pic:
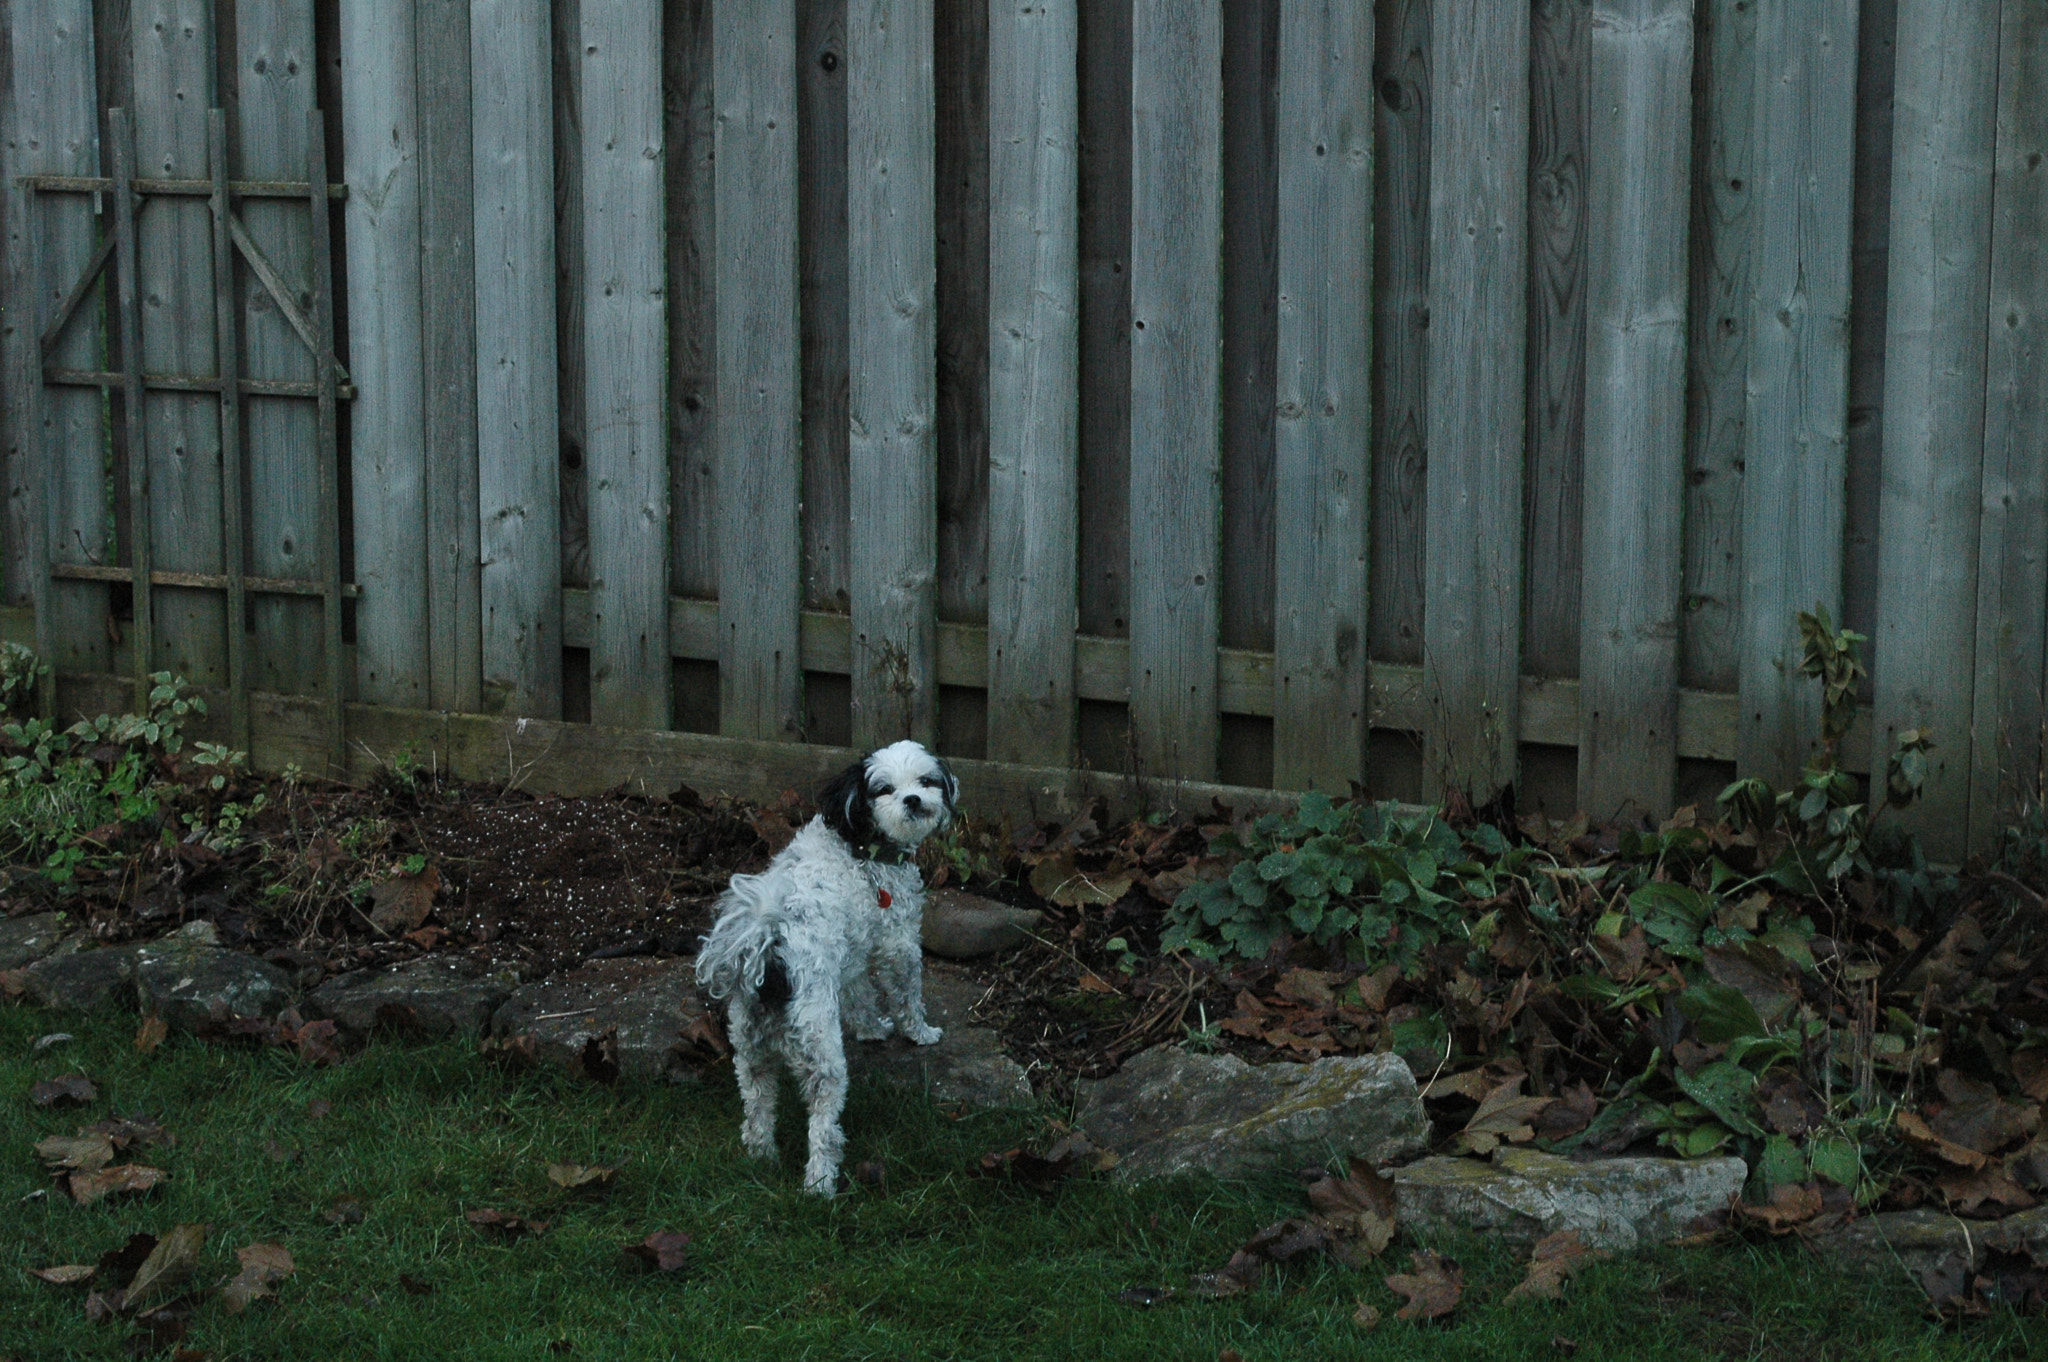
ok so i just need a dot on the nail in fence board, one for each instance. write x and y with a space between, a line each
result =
1638 201
174 87
1479 141
57 133
274 78
1176 245
1034 379
1323 474
625 457
448 357
690 170
1945 107
1400 329
892 276
1796 432
1723 225
2012 585
759 398
513 146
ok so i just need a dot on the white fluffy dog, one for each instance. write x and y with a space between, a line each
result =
830 931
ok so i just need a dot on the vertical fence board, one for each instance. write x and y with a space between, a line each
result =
388 451
1105 422
1945 111
274 79
1717 358
1248 349
822 265
1869 268
174 87
1176 244
961 179
57 133
1400 343
759 397
892 456
1796 440
1478 304
448 356
1638 201
1034 379
18 496
1324 393
2012 574
513 146
1554 487
565 58
689 137
625 458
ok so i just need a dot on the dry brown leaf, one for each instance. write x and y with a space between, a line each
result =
166 1268
125 1180
570 1176
1556 1258
2030 1067
1921 1136
1974 1116
1366 1316
1057 878
346 1210
401 903
1791 1206
1360 1207
1504 1116
70 1274
1432 1285
505 1226
1571 1113
70 1090
87 1153
263 1267
1965 1192
1091 982
1308 986
663 1251
150 1034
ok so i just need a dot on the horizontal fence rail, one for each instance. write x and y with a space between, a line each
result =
1302 394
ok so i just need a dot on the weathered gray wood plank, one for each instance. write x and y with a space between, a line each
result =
1248 340
625 326
1869 270
274 79
1034 379
1105 423
1324 470
822 298
961 197
892 456
518 492
1945 106
759 397
57 133
2012 577
1796 440
1479 142
18 496
1638 201
1723 158
448 355
1554 489
174 87
1400 342
566 61
388 450
1176 288
689 139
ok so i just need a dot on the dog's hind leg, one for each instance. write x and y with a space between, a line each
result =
818 1054
753 1061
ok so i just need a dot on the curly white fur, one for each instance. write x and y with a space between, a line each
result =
809 943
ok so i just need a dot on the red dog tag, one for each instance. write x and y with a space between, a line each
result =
882 897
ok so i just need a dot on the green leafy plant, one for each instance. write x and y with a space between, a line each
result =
20 671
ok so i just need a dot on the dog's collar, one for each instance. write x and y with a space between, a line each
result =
882 853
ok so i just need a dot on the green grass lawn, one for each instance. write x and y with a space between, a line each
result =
938 1263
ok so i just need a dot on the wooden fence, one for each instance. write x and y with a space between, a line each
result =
1280 393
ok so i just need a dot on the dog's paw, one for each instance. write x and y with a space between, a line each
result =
880 1030
760 1149
821 1181
925 1035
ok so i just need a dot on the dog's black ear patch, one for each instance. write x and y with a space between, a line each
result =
949 787
845 805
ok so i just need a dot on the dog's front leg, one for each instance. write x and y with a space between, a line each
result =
862 1008
754 1065
818 1053
902 971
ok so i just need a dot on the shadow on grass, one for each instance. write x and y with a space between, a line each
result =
937 1263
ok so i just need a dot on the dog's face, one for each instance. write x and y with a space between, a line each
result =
900 794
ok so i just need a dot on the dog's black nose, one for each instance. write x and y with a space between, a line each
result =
913 803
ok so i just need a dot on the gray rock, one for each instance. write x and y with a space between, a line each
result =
84 981
967 1066
25 940
1916 1240
188 979
435 994
1524 1194
648 1001
1168 1111
964 926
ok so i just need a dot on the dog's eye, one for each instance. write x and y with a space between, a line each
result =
930 782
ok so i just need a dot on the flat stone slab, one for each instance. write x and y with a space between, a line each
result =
646 1000
962 926
438 995
1524 1194
967 1066
189 979
1168 1111
25 940
84 981
1915 1241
